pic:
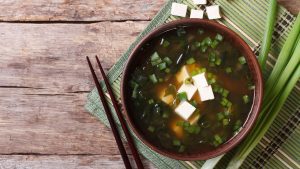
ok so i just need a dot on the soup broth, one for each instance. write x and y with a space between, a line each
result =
194 91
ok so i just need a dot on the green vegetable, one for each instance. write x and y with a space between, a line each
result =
154 57
190 61
200 31
218 61
134 92
246 99
228 70
153 78
167 60
225 93
166 44
151 129
214 44
284 56
167 70
281 82
242 60
176 142
203 49
166 115
220 116
150 101
219 37
162 66
225 122
218 139
267 39
207 41
182 96
181 149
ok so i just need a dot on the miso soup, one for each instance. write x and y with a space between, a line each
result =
194 91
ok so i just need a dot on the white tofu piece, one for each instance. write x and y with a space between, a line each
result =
185 110
206 93
196 14
178 9
200 2
182 74
213 12
200 80
190 90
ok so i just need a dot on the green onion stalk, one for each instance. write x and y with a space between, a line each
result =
267 39
285 75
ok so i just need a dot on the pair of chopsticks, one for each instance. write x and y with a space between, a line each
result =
111 120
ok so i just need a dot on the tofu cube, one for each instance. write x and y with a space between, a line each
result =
190 90
182 74
178 9
196 14
185 110
166 99
200 80
200 2
213 12
206 93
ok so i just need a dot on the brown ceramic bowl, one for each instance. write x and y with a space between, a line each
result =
238 42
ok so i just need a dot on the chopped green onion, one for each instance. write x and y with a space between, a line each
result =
154 57
167 60
207 41
218 61
162 66
165 115
218 139
176 142
242 60
182 96
151 129
203 49
190 61
134 92
197 44
156 62
211 81
153 78
181 149
212 57
225 93
167 70
220 116
166 44
229 104
246 99
225 122
214 44
219 37
228 70
200 31
150 101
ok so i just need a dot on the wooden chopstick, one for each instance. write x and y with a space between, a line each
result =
110 118
121 119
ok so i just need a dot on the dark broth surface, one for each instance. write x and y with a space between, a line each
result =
215 121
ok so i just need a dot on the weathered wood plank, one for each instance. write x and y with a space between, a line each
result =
91 10
44 83
78 10
64 162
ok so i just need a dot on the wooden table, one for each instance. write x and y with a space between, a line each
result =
44 79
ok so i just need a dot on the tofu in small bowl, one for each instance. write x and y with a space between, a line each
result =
191 89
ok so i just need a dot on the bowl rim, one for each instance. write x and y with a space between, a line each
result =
257 99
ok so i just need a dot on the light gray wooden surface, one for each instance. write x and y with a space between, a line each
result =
44 79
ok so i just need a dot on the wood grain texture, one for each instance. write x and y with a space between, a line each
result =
44 83
64 162
78 10
292 5
44 78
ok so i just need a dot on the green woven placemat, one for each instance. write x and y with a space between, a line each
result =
280 146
